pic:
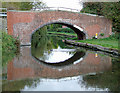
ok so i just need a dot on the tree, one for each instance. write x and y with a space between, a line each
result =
23 5
92 7
26 5
109 79
110 10
11 5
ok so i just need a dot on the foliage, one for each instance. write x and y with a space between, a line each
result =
8 43
26 6
110 10
58 28
93 37
93 8
38 47
42 32
23 5
114 37
11 5
66 30
63 33
7 57
18 85
9 47
109 79
53 27
74 38
101 34
40 40
44 45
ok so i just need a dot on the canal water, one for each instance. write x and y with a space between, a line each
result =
51 65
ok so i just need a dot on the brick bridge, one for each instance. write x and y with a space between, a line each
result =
23 23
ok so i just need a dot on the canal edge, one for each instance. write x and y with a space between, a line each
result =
93 47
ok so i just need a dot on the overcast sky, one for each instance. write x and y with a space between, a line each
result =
74 4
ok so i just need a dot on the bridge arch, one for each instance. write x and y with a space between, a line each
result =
78 30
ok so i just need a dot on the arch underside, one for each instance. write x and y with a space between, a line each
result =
80 34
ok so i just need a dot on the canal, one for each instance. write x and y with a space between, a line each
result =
52 65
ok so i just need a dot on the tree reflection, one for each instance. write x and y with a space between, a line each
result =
18 85
109 79
43 43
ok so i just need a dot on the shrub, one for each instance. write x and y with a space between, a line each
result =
102 34
114 36
93 37
8 43
10 47
67 30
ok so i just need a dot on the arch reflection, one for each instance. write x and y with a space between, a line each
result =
76 57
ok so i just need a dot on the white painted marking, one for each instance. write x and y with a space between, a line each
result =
78 27
78 61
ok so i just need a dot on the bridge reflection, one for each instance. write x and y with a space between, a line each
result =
24 66
74 58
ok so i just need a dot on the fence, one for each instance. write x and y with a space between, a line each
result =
3 19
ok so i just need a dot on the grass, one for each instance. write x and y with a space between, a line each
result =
105 42
63 33
110 42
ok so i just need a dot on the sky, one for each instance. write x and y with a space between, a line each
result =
74 4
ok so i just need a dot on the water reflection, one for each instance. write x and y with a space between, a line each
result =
81 71
109 79
25 66
67 84
57 55
50 50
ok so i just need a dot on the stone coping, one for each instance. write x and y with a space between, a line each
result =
94 47
37 11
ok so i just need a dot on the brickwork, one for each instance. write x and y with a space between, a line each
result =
23 24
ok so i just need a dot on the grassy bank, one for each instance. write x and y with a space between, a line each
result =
110 42
105 42
9 47
63 33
